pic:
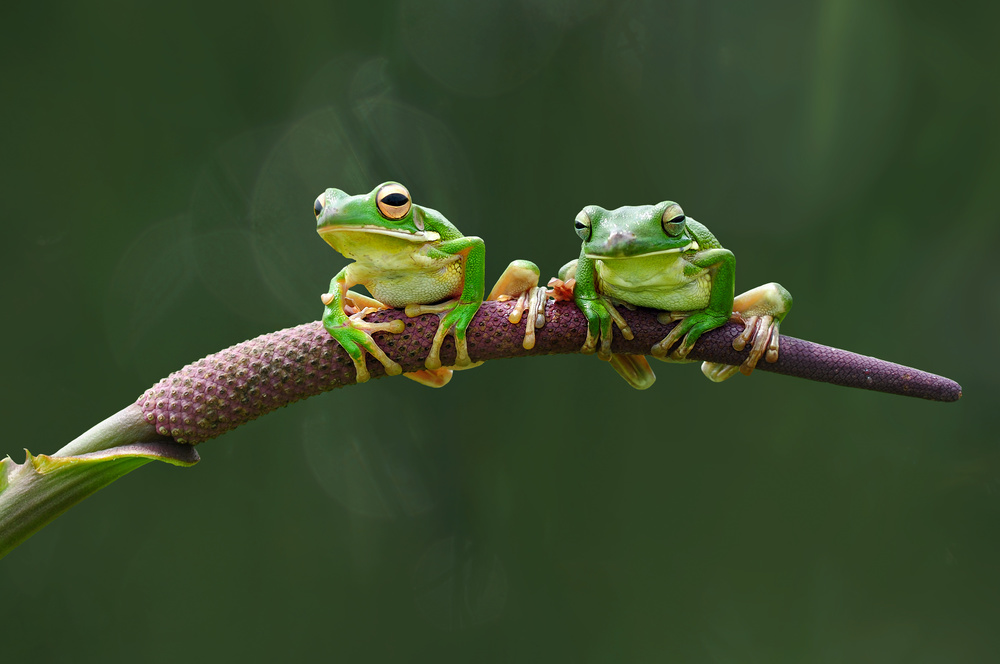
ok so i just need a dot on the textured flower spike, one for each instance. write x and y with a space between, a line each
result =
219 392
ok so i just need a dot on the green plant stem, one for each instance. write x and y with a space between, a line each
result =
37 491
125 427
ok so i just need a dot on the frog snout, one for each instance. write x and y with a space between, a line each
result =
330 201
619 242
335 196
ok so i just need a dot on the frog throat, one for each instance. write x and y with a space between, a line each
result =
692 246
402 234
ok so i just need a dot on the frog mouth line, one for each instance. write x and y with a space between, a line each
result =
693 246
425 236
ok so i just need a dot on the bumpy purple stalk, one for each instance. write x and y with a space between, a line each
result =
222 391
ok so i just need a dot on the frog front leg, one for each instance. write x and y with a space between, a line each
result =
597 309
351 332
721 265
600 312
761 311
456 314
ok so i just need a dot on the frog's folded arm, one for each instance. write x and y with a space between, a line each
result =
243 382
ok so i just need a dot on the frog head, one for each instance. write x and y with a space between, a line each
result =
633 231
383 220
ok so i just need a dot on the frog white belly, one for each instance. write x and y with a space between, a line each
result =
656 281
415 284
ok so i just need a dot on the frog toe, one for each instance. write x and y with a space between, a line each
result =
361 370
634 369
765 343
433 361
531 306
536 315
519 282
462 359
392 367
618 319
361 301
437 378
393 326
604 347
771 356
717 372
662 348
357 355
412 310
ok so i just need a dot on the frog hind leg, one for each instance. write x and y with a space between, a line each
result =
431 377
761 311
519 282
634 369
359 301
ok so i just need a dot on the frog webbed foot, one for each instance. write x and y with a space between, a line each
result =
664 318
431 378
531 301
761 311
519 282
453 314
353 333
634 369
600 312
358 323
690 328
355 302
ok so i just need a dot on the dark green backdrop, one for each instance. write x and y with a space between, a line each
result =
158 172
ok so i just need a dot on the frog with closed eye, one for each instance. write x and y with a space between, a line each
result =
412 257
655 256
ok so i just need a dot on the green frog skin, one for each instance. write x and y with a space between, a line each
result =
654 256
411 257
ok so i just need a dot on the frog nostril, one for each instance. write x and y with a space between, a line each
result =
619 242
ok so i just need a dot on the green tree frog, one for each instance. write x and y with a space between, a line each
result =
655 256
413 257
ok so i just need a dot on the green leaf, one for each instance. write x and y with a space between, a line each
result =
43 487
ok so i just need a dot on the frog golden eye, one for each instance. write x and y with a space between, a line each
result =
318 205
582 225
673 220
393 201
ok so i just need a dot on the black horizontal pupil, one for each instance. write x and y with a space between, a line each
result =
580 224
395 200
318 206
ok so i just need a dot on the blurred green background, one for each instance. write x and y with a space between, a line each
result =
159 165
